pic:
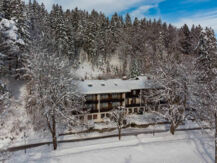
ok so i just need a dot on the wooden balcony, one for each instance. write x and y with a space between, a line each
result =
91 101
111 100
134 105
106 109
93 110
132 96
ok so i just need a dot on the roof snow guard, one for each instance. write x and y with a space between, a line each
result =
114 85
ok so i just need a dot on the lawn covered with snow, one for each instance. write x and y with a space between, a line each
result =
184 147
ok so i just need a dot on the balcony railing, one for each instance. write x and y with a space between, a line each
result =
91 101
111 100
134 105
132 96
93 111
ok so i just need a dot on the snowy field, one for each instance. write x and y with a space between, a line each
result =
184 147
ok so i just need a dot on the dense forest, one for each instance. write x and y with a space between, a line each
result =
138 43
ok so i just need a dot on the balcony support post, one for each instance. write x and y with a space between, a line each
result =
98 104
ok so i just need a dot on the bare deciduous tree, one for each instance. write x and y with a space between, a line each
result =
119 117
4 100
53 92
169 99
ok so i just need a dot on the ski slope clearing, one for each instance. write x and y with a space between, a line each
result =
188 147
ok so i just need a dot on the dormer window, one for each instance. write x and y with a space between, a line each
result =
103 84
90 85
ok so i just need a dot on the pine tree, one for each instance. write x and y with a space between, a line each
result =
205 90
61 37
196 32
6 9
185 40
136 22
1 9
128 21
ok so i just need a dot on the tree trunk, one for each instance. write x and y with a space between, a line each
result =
119 133
54 132
172 129
215 138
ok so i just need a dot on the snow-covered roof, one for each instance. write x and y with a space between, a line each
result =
114 85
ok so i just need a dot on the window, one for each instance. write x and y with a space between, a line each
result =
116 104
91 106
130 111
133 101
115 96
102 115
95 116
141 110
135 110
104 96
89 117
104 105
134 92
89 97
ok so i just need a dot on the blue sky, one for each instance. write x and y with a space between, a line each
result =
177 12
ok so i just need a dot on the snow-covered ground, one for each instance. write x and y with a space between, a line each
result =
86 70
187 147
147 118
112 66
191 147
34 138
16 121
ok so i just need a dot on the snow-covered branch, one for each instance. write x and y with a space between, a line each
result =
53 91
119 118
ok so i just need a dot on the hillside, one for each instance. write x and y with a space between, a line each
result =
116 46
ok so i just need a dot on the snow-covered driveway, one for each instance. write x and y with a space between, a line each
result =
184 147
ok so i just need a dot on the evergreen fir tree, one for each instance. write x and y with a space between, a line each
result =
6 9
185 40
128 21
